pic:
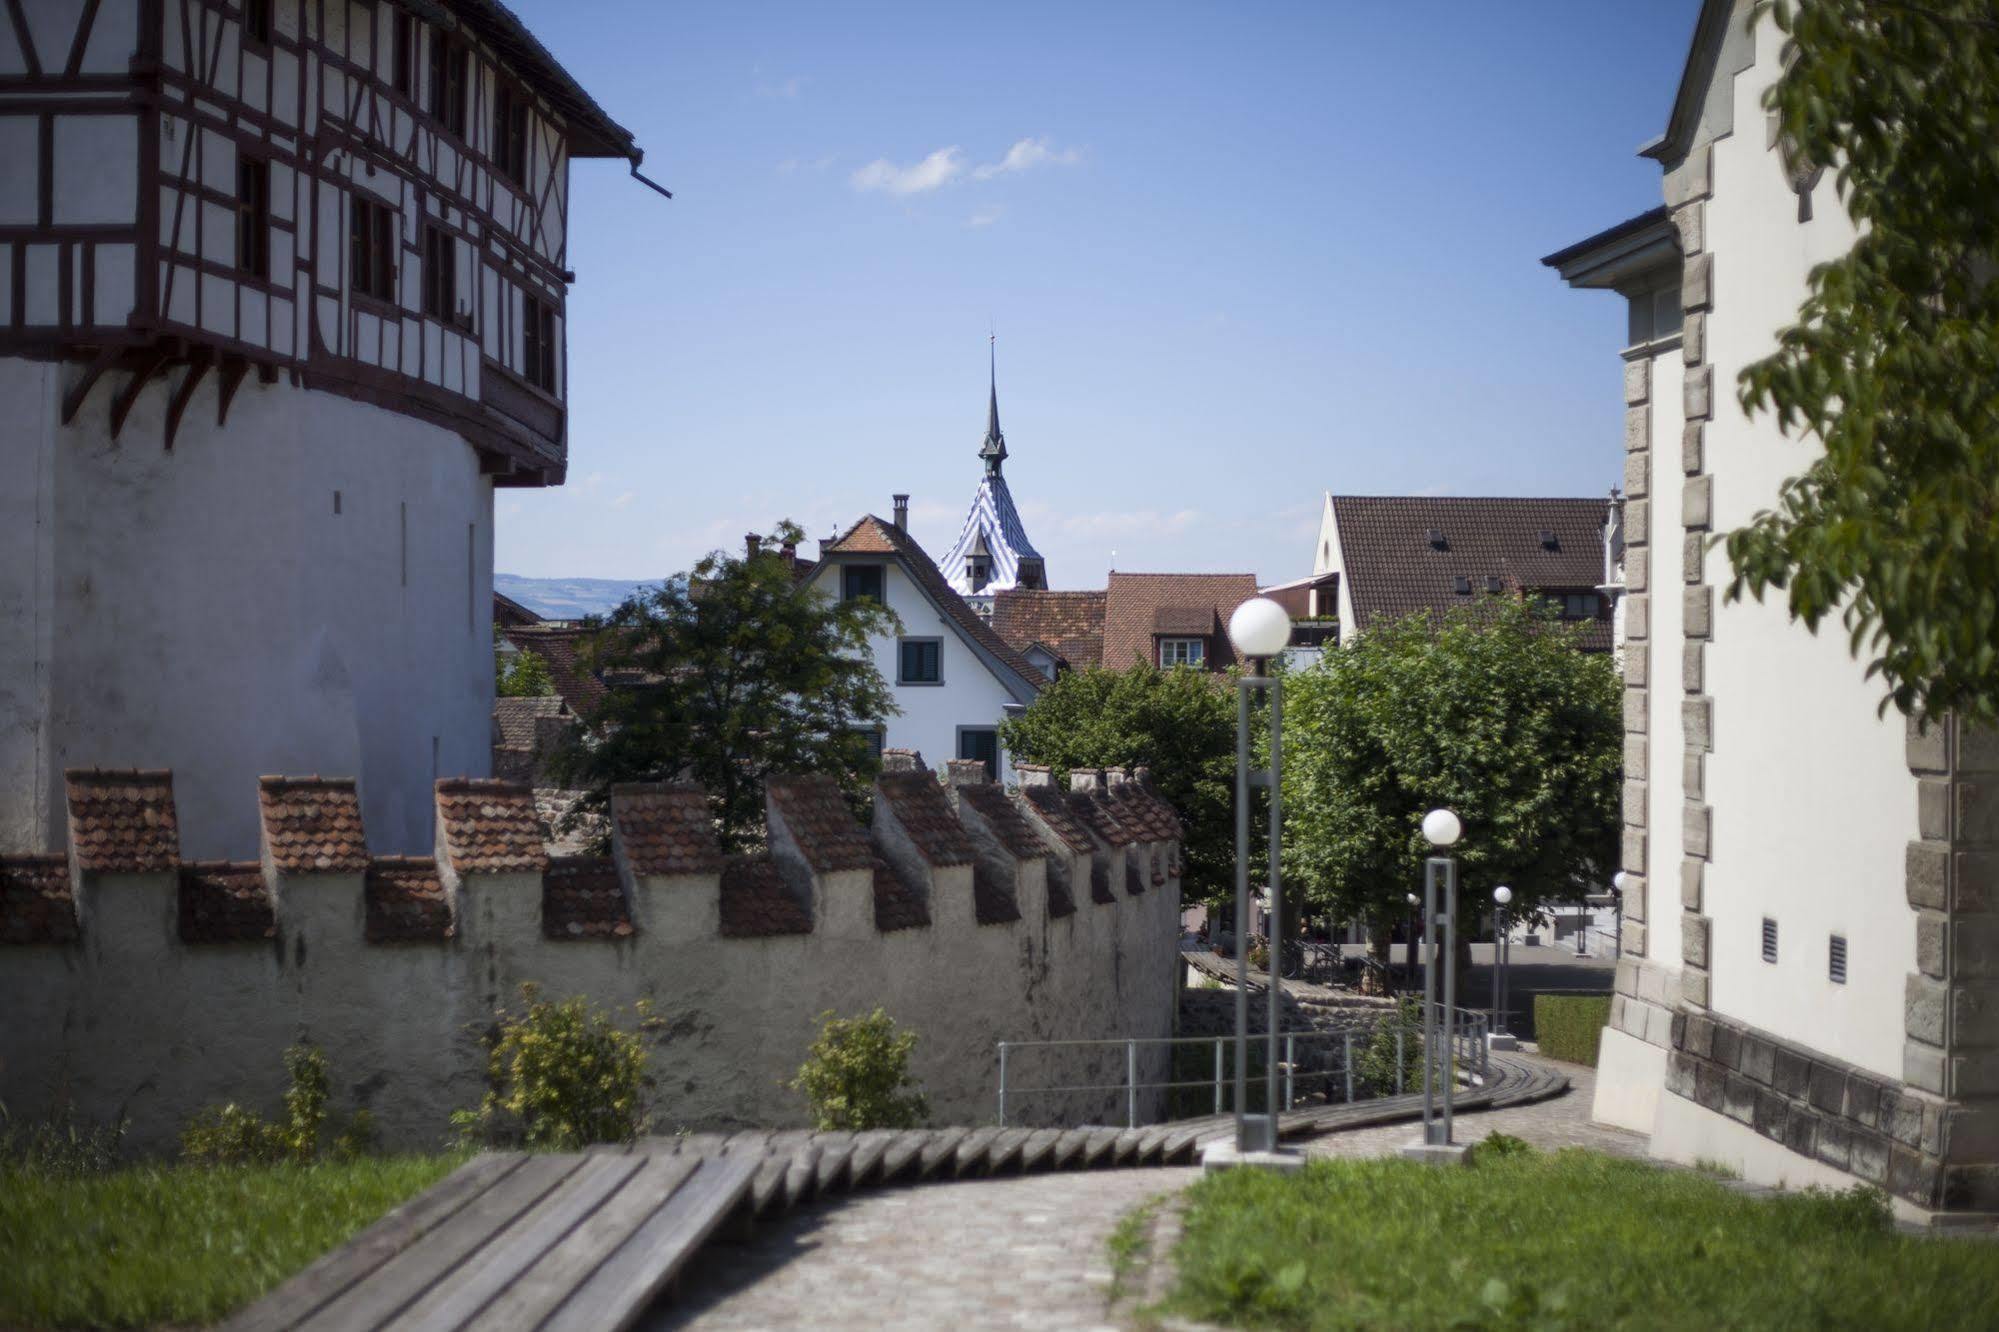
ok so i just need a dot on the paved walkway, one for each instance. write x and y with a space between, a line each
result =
1026 1252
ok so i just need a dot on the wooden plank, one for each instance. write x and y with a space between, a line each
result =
625 1283
870 1145
835 1150
557 1274
941 1144
971 1152
1127 1147
800 1174
1150 1140
1179 1143
702 1144
1069 1149
1097 1150
303 1295
767 1189
458 1299
904 1150
1005 1149
401 1280
1039 1149
748 1143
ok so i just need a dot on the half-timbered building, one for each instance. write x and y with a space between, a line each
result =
282 292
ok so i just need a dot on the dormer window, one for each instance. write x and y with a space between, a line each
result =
1461 585
1548 541
1183 652
861 580
1436 538
978 571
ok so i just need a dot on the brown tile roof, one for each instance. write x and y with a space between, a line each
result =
583 897
37 905
899 904
123 822
406 901
561 647
1148 811
756 902
515 718
490 826
993 895
1053 807
817 817
1070 623
313 824
1095 810
1009 825
1136 604
510 614
918 802
223 901
665 828
1392 570
873 536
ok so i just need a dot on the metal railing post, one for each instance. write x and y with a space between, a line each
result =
1218 1075
1290 1068
1002 1089
1346 1063
1131 1084
1399 1029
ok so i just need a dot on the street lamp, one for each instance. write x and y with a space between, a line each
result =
1501 1037
1259 630
1409 947
1618 882
1441 828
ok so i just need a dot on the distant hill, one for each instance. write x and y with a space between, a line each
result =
568 598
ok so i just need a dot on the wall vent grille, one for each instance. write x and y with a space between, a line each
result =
1769 939
1836 960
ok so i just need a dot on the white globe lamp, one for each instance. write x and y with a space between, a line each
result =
1442 828
1259 628
1502 894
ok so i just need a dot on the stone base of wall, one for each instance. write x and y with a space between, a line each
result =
1629 1077
1641 1007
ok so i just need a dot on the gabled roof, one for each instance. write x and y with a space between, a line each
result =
992 526
592 132
510 614
1136 605
1710 29
876 536
559 645
1393 570
1069 624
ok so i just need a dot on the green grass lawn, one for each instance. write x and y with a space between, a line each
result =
1571 1240
181 1244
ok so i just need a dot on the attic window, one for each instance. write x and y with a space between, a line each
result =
1461 585
1548 541
1492 584
1437 541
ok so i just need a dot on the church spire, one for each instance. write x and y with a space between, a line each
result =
994 449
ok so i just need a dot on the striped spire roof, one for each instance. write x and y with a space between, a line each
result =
993 531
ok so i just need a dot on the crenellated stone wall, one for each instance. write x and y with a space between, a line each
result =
142 986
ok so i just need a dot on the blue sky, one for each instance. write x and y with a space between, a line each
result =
1235 255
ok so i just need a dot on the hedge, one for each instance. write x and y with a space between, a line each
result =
1569 1026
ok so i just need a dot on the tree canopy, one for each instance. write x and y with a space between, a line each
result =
1494 714
725 676
521 674
1893 363
1177 722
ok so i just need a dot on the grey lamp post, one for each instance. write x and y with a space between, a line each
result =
1259 629
1409 948
1441 828
1618 883
1501 1036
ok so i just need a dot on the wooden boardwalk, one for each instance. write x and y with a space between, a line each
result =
589 1240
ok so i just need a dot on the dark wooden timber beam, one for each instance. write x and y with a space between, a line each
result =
231 379
197 366
72 401
121 406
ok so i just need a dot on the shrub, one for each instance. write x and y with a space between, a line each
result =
1259 956
560 1076
1569 1026
856 1075
232 1135
1499 1146
1375 1062
59 1144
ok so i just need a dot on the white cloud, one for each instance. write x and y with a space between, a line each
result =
624 499
933 172
1024 154
985 217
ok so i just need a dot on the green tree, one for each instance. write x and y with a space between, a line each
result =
1494 714
521 674
1176 722
725 676
856 1075
1893 364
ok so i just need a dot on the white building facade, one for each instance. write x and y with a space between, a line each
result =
1808 992
281 302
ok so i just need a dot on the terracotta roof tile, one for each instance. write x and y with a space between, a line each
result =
919 804
561 646
313 824
1009 825
1150 812
1393 570
123 822
899 904
516 718
1070 623
406 901
583 897
37 905
1135 604
666 828
1094 810
993 901
490 826
756 902
223 901
1052 806
817 817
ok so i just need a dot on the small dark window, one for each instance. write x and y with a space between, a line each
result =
440 275
404 42
1769 939
978 571
372 244
538 342
253 216
877 739
510 135
1548 541
1437 541
448 62
257 21
981 743
921 661
861 580
1836 960
1461 585
1492 584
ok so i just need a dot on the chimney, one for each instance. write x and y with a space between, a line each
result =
1117 776
790 550
902 760
752 543
1033 774
965 772
1086 779
901 513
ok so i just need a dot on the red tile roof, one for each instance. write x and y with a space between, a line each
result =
583 897
1146 810
816 815
516 718
1095 810
665 828
1393 570
224 901
918 802
899 904
873 536
36 902
1137 604
123 822
756 902
313 824
406 901
561 647
490 826
1052 806
1009 825
1068 623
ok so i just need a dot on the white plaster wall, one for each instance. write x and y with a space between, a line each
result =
931 714
1667 740
1813 803
206 610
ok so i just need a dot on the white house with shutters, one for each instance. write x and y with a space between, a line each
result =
282 290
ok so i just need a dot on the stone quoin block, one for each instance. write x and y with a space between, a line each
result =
1693 987
1638 522
1697 503
1697 724
1923 1067
1637 381
1631 937
1634 804
1634 851
1692 447
1652 989
1927 746
1926 875
1638 617
1692 874
1693 337
1637 667
1933 809
1637 474
1687 220
1637 429
1696 829
1637 754
1931 930
1634 897
1637 569
1977 749
1691 180
1694 940
1636 711
1974 1016
1693 659
1697 284
1697 612
1977 808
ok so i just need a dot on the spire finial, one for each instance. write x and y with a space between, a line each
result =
994 448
